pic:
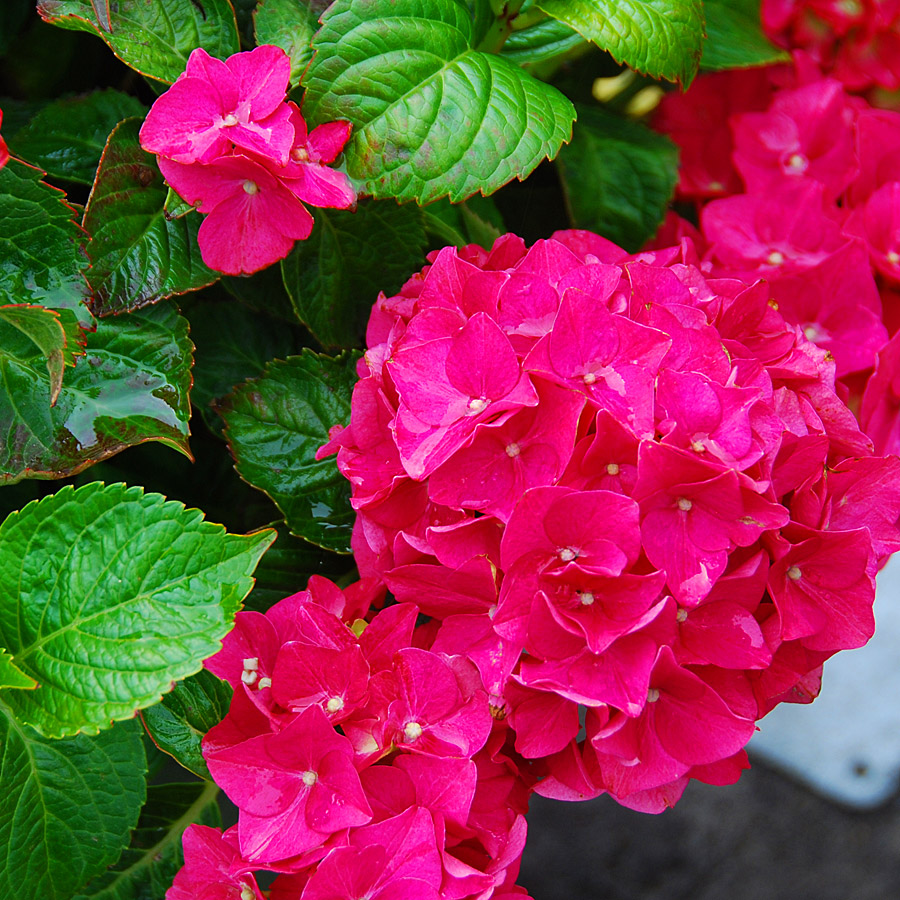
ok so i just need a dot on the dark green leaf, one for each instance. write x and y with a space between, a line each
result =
432 116
475 221
155 37
67 806
232 344
66 138
263 292
618 177
138 254
178 722
275 424
289 24
662 38
735 38
287 566
334 276
41 260
146 868
539 42
55 334
131 386
113 594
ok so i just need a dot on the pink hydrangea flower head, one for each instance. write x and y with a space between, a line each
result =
4 150
210 862
215 104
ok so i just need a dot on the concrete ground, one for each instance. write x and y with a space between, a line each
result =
765 838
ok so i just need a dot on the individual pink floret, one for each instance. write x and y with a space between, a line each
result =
210 862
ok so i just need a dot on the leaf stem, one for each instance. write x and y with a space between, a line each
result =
502 27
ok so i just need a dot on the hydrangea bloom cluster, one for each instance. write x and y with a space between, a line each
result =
365 762
856 40
805 190
229 143
626 491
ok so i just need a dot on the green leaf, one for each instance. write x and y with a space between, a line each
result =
262 292
138 254
662 38
432 116
475 221
618 177
41 261
178 722
130 386
275 424
11 676
287 567
333 277
544 40
113 594
146 868
57 337
154 37
734 37
289 24
66 138
67 806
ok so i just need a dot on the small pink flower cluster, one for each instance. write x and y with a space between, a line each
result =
626 491
229 143
858 41
363 763
813 176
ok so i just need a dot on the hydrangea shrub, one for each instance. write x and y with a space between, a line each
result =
526 488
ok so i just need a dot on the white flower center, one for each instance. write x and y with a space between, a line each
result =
475 406
586 598
893 257
653 695
251 187
513 450
335 704
251 664
612 469
775 258
589 378
248 677
684 504
247 892
681 615
412 731
797 163
230 119
698 447
567 554
309 777
299 154
794 573
264 683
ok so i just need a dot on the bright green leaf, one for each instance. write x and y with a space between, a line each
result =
66 138
289 24
146 868
618 177
154 37
539 42
432 116
334 276
41 261
735 38
55 334
113 594
662 38
138 254
67 806
178 722
274 426
11 676
130 386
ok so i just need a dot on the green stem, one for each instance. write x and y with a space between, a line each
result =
502 27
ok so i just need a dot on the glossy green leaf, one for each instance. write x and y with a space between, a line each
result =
130 386
541 41
66 138
274 426
263 292
662 38
13 677
55 334
113 595
138 254
289 24
334 276
287 567
154 37
618 177
734 37
41 261
178 722
432 116
475 221
150 862
67 806
232 344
